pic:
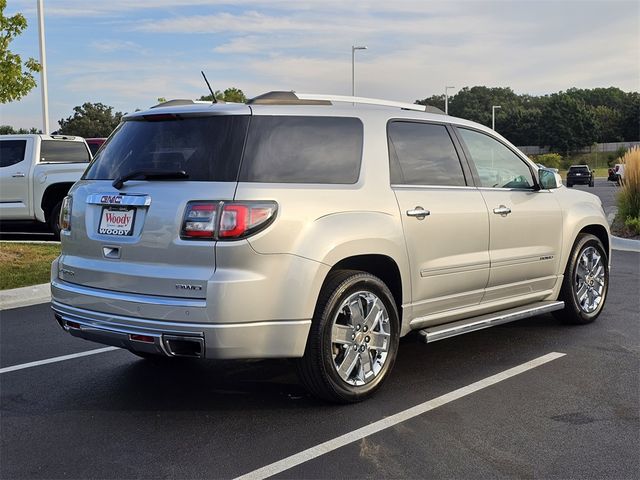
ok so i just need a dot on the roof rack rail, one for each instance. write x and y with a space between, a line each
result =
181 101
294 98
284 98
362 100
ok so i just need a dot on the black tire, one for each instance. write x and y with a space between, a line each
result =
54 219
592 183
569 185
317 369
573 311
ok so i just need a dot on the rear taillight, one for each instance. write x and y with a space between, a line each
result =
200 220
226 220
65 214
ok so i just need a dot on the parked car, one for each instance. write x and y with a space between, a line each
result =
309 227
580 175
616 174
36 172
94 144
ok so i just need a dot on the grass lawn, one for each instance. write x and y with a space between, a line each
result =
24 264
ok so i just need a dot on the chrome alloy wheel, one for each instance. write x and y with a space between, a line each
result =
360 338
589 280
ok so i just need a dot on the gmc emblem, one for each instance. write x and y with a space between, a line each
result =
111 199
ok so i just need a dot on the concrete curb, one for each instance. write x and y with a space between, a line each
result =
625 244
25 296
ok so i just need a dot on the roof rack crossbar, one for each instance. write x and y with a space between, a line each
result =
363 100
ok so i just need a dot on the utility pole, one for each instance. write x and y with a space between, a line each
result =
493 116
446 100
353 67
43 71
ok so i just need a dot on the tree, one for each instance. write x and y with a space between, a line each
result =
232 94
91 120
9 130
16 77
567 123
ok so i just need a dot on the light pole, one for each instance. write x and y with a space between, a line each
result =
446 100
353 67
43 71
493 116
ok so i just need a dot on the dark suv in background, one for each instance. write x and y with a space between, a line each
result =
579 174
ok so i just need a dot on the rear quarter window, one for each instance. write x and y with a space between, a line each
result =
296 149
12 152
60 151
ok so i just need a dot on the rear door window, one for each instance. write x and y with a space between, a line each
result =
287 149
12 152
208 149
61 151
423 154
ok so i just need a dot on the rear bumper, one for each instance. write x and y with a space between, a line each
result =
579 180
274 339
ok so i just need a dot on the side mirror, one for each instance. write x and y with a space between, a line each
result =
548 179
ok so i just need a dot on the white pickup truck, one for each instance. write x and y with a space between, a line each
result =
36 172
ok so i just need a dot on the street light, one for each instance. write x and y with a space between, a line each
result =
446 100
353 67
43 70
493 116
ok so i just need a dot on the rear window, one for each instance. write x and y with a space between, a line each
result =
285 149
423 154
12 152
578 169
60 151
206 148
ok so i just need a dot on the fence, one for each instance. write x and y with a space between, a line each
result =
596 147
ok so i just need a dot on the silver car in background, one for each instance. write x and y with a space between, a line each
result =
319 228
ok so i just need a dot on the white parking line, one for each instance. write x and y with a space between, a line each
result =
57 359
341 441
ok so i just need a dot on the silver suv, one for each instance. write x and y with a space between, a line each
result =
318 228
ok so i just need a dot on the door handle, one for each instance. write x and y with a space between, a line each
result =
418 212
502 210
18 175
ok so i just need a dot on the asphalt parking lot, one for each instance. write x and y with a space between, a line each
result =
112 415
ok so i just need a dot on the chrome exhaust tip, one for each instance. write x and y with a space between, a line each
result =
184 346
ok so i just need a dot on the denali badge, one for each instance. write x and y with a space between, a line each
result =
184 286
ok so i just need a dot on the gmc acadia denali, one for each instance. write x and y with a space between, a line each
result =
318 228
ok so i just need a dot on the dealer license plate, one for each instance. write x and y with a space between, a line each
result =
117 221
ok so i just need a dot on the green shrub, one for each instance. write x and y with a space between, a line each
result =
550 160
621 151
633 224
629 195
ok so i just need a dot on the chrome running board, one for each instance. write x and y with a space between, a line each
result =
432 334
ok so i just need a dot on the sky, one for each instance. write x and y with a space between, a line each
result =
127 53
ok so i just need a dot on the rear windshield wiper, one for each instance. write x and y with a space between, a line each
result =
150 175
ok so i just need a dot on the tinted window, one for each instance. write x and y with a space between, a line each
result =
497 165
94 147
12 152
423 154
206 148
579 169
303 150
63 151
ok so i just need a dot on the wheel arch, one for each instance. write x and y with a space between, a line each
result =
601 233
52 195
381 266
